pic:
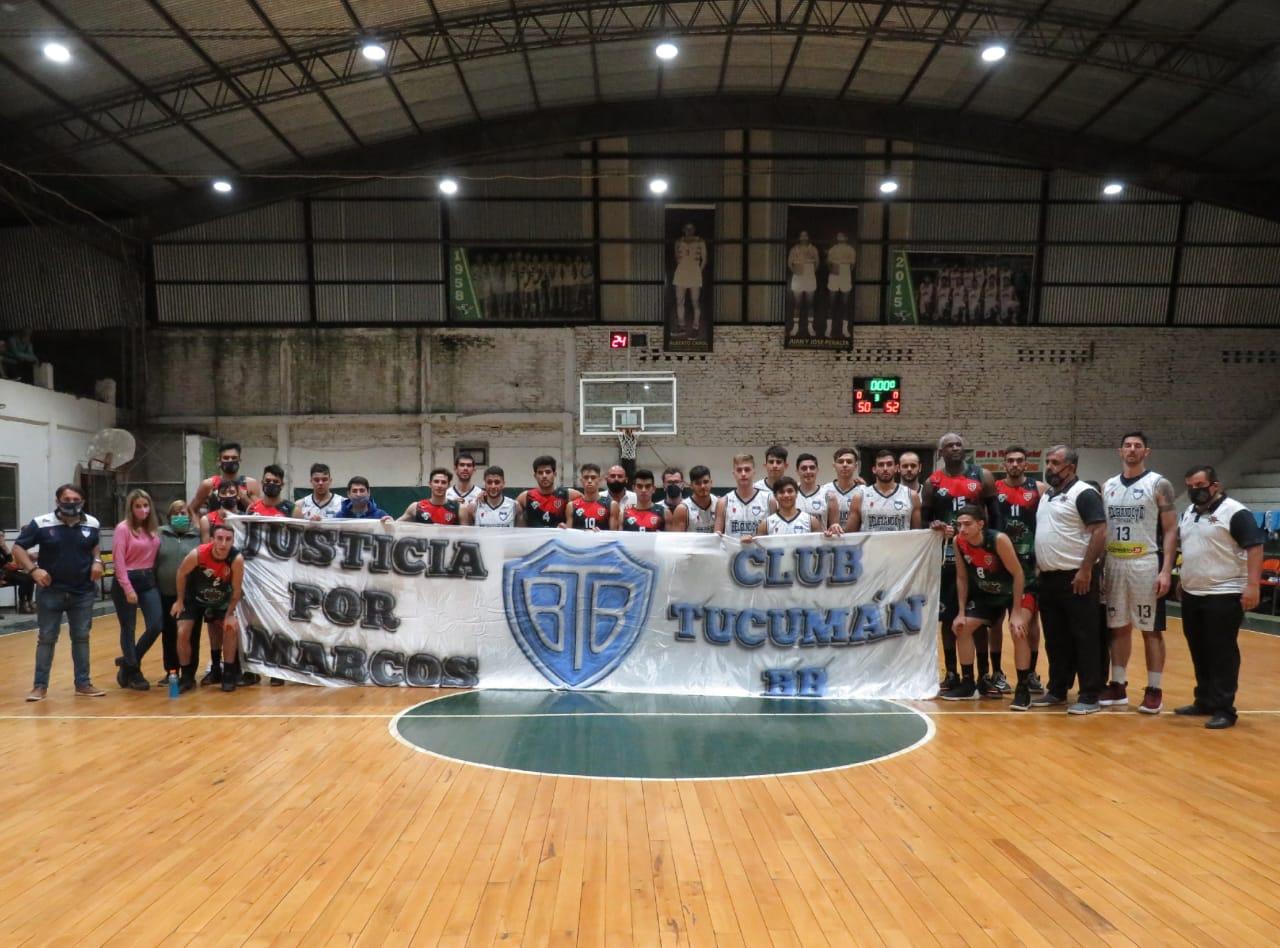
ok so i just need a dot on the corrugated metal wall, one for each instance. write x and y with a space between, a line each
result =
52 281
373 251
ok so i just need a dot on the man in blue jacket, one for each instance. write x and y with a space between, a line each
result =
360 505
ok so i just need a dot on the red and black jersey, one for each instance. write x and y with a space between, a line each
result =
546 510
951 492
427 511
1018 516
589 514
209 584
649 520
217 516
988 577
262 509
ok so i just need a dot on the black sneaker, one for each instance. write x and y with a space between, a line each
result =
950 681
186 684
213 676
277 682
1048 700
138 681
1021 698
964 691
1034 684
229 682
1001 682
987 688
250 678
122 674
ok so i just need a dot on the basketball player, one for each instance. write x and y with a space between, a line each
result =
840 492
480 281
1142 541
802 261
973 296
775 465
1018 497
948 489
700 506
229 465
208 586
841 262
884 506
926 294
493 508
642 516
590 511
787 519
811 497
909 471
462 491
271 504
989 584
672 490
510 287
226 500
740 512
322 503
691 260
437 508
546 505
615 482
991 297
1010 307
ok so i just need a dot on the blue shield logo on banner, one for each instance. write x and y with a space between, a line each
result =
577 613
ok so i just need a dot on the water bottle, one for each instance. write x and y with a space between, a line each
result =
173 684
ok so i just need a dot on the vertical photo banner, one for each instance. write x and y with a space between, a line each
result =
689 290
552 284
959 289
821 262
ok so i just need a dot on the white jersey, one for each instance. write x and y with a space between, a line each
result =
308 507
503 515
1133 516
763 486
777 525
881 514
700 520
843 498
470 497
814 504
745 516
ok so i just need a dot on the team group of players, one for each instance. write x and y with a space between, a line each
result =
969 295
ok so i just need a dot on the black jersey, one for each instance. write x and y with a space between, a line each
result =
546 510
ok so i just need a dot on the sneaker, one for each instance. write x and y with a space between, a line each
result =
213 676
988 688
229 682
1192 709
963 691
1085 707
1116 693
948 682
138 681
1034 684
1002 683
1048 700
122 674
1220 721
162 681
37 694
87 690
1021 699
277 682
250 678
185 685
1152 701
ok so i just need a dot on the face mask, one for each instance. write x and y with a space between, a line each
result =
70 508
674 492
616 488
230 467
1200 495
272 490
181 523
359 501
228 503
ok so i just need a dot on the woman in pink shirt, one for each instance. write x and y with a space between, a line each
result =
133 551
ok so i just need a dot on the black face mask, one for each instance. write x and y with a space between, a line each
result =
616 487
227 503
70 508
229 467
674 492
272 490
1200 495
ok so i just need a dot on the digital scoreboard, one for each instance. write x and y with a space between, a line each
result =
877 394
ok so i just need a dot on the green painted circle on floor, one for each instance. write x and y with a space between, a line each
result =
646 736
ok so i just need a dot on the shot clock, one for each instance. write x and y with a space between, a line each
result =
877 394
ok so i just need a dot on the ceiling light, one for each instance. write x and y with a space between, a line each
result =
666 50
888 186
994 52
1112 188
658 185
373 52
448 186
222 186
57 52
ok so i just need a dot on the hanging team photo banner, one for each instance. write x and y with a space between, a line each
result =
688 298
959 289
821 264
360 603
522 284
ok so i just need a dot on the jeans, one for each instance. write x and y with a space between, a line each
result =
144 585
1072 635
50 605
169 639
1212 627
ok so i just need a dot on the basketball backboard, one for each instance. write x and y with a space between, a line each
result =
609 402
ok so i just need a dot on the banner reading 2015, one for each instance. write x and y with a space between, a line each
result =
360 603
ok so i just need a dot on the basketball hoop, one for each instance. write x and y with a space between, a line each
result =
627 440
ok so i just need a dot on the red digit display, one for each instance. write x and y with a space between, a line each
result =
877 395
619 340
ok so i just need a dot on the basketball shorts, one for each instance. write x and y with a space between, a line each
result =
841 282
804 282
1129 591
193 609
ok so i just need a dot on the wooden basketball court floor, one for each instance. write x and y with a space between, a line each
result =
291 816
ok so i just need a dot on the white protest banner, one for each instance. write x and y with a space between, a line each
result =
357 602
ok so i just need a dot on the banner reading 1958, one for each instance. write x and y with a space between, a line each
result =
360 603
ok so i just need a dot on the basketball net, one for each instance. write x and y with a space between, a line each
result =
627 440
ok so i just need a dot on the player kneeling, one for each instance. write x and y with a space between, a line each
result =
208 586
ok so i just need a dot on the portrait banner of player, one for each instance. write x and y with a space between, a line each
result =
959 289
821 263
688 300
551 283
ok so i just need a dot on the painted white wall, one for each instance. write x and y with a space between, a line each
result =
46 434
